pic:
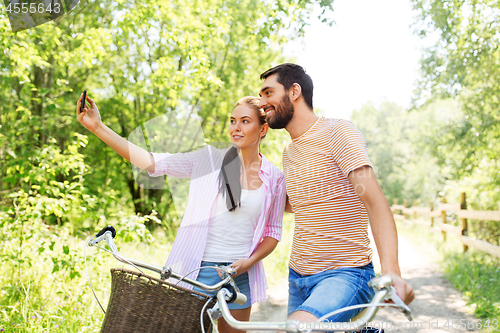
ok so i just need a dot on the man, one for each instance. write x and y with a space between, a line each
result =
333 192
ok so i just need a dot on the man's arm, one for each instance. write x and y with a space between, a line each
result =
288 206
383 227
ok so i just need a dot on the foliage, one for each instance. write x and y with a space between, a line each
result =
170 59
476 275
132 228
40 276
138 62
42 273
53 181
396 146
462 61
411 161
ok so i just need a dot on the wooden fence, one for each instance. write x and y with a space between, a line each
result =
442 226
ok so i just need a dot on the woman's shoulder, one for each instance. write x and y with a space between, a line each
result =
211 151
270 168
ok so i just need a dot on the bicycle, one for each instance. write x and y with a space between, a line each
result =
151 311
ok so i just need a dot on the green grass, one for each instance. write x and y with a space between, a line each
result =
37 297
478 276
474 273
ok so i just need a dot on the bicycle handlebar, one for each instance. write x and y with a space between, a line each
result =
100 235
382 286
165 272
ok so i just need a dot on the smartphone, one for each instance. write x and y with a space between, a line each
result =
84 101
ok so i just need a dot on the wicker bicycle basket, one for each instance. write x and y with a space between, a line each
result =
140 303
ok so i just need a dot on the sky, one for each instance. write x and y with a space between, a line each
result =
369 55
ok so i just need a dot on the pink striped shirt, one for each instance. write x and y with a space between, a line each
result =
203 168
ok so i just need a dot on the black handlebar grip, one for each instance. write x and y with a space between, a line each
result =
110 228
230 288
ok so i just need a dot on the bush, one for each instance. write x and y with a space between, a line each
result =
42 274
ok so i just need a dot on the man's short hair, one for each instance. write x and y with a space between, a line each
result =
288 74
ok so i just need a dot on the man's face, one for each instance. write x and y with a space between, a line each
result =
275 102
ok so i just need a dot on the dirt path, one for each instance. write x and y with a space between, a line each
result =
438 307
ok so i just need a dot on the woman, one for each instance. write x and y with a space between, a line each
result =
235 207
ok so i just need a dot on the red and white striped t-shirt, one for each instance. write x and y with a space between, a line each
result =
331 222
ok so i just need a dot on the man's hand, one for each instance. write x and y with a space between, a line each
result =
404 290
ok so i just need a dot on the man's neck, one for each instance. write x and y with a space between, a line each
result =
303 119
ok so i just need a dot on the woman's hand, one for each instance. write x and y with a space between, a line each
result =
90 118
241 266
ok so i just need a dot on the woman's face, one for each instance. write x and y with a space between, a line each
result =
245 130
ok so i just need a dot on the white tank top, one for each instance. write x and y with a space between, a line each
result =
230 234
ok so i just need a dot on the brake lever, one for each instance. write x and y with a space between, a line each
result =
392 295
229 271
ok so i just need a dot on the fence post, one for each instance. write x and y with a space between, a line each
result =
443 219
463 205
432 218
405 203
414 212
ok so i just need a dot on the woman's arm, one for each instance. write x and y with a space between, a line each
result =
274 220
265 248
288 205
272 232
90 118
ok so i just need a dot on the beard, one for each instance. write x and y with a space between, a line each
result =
282 114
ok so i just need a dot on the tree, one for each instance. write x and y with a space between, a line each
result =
139 62
463 62
399 151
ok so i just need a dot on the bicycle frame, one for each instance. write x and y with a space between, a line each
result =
381 285
357 323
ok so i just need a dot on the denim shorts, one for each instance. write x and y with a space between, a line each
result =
209 277
322 293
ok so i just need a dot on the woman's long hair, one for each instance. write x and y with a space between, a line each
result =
230 172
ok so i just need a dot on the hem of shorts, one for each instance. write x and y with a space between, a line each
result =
246 307
316 313
312 311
